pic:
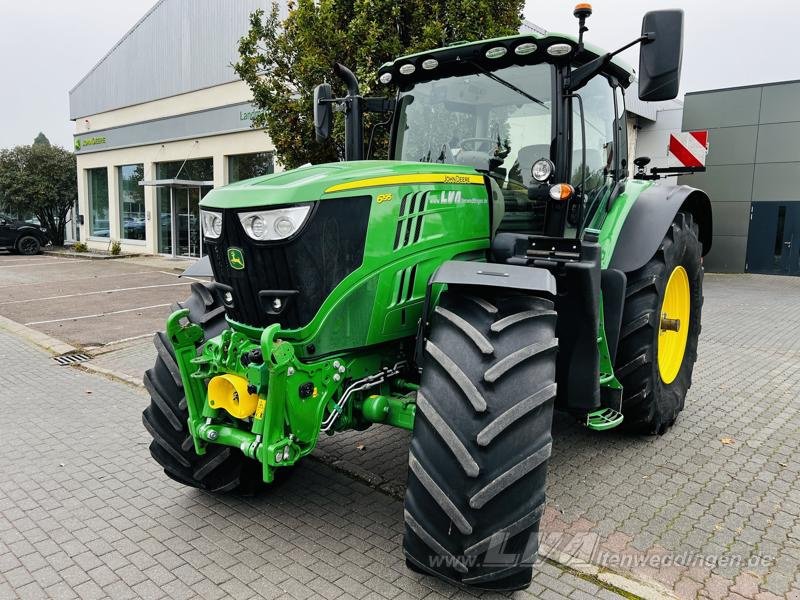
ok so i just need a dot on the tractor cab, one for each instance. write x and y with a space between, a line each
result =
543 116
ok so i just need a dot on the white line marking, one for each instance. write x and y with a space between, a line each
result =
203 280
113 312
74 279
114 342
130 289
128 339
42 264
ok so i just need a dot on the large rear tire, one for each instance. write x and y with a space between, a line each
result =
481 440
221 468
654 391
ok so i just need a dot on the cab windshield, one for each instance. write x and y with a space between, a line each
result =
499 123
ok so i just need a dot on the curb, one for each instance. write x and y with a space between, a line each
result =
86 255
610 580
51 344
88 366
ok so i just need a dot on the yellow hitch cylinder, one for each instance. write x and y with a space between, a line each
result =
229 392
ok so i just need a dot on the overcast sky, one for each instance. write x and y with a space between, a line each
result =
46 46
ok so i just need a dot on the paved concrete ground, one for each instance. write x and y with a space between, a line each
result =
87 302
712 509
85 512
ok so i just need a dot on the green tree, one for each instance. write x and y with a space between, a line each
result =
39 179
283 60
41 139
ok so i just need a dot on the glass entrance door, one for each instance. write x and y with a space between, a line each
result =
186 216
179 228
180 186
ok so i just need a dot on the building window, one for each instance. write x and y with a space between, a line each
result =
246 166
131 202
98 202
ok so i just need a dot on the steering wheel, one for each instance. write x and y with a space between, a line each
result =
476 146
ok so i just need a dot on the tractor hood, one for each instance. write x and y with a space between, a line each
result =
317 182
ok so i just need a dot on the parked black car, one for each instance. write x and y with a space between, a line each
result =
21 237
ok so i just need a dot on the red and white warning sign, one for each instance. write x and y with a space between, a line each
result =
688 148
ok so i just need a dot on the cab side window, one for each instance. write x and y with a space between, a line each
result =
600 119
594 179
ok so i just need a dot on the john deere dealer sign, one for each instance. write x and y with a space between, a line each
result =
97 140
213 121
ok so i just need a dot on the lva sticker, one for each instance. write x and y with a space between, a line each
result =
453 197
236 258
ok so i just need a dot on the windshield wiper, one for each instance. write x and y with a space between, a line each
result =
508 84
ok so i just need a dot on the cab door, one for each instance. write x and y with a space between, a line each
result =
599 138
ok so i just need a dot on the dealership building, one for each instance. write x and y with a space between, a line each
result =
161 120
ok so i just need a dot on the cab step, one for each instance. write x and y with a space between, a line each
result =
603 419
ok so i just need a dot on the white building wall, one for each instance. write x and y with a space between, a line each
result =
653 137
217 147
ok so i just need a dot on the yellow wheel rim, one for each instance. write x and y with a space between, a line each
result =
673 325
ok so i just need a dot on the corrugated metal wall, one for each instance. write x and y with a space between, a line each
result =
179 46
753 156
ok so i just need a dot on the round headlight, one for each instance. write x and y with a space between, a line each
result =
559 49
542 169
212 224
496 52
407 69
525 49
258 226
283 226
429 64
385 78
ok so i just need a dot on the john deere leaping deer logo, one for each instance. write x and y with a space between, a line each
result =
236 259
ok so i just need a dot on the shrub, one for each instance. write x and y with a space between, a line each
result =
80 247
116 248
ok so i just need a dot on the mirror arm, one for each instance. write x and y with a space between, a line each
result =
347 76
580 76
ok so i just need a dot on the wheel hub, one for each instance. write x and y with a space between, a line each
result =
673 329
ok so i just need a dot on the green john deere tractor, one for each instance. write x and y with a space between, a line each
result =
501 264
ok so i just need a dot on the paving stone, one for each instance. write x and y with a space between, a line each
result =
111 524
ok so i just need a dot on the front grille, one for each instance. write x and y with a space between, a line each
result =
301 271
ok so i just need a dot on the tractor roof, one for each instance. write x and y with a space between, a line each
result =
460 58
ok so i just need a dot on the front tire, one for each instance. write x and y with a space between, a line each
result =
481 440
655 371
221 468
28 245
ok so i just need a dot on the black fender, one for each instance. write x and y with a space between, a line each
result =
651 216
481 274
30 230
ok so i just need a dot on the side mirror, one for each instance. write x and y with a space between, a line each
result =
323 111
660 55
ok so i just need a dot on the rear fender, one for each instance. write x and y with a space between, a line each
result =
480 274
649 219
